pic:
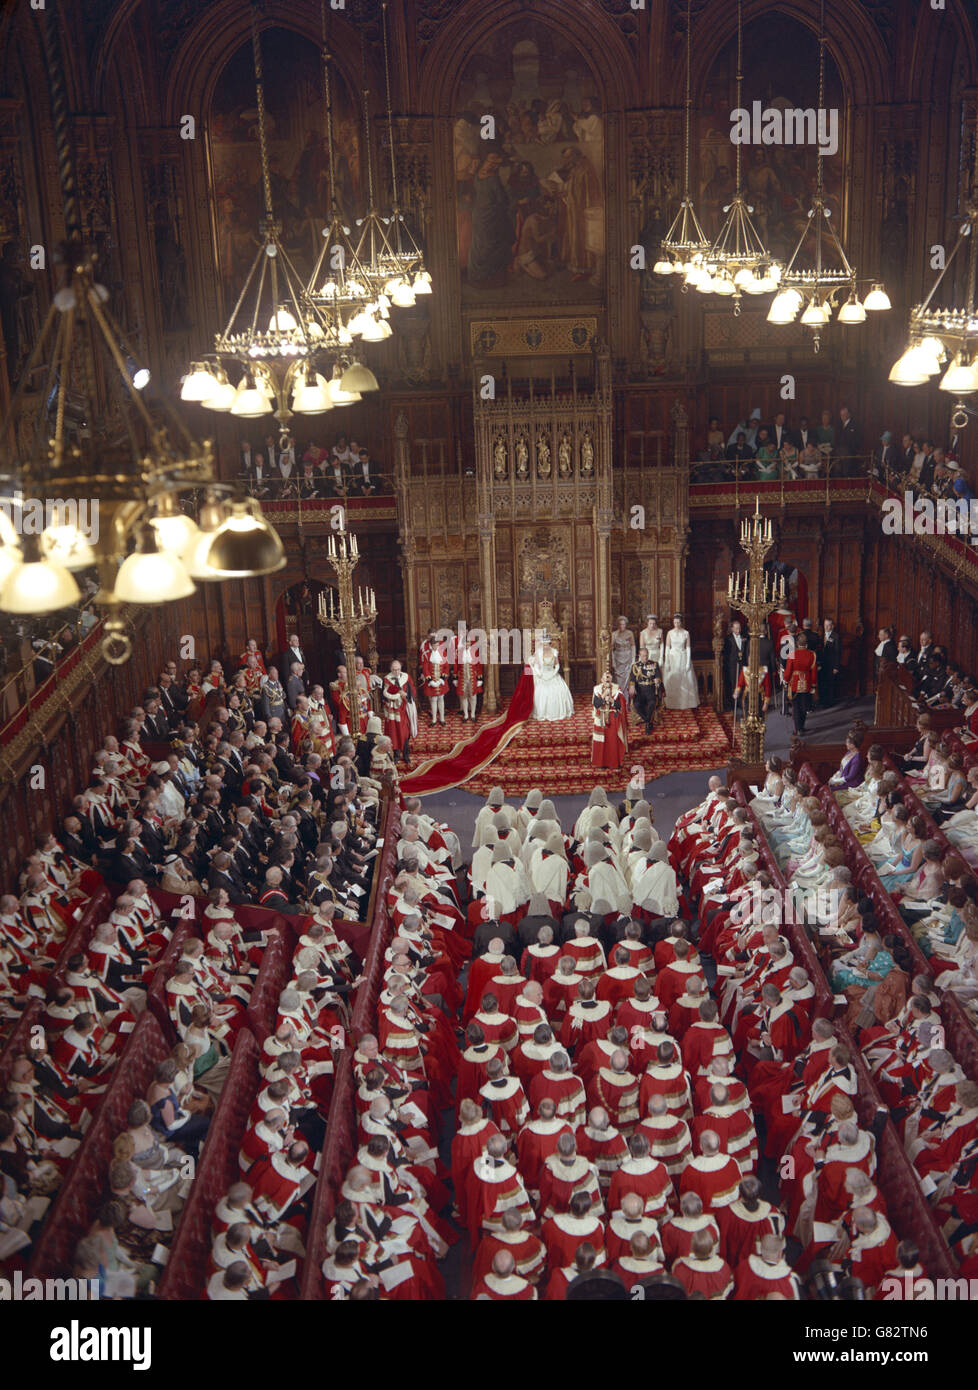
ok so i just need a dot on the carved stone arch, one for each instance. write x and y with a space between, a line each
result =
935 62
584 25
853 42
224 27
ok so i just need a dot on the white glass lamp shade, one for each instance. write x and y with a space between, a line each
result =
910 368
877 300
175 532
199 383
852 311
222 396
38 586
152 576
63 543
357 378
250 401
960 379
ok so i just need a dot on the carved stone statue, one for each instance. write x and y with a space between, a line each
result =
564 457
544 466
522 457
499 457
587 455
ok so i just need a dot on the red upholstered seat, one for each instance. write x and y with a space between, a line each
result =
83 1190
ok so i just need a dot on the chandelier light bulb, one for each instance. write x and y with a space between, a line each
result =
911 368
960 379
662 268
64 544
877 300
311 397
222 395
724 286
421 283
852 311
249 401
38 586
174 531
199 383
282 321
152 576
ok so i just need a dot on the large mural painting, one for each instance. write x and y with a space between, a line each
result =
529 171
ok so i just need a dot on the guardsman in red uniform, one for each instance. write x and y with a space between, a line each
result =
434 671
764 686
799 680
468 676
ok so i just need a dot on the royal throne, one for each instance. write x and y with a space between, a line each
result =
548 623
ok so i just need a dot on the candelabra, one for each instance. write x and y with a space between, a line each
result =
349 616
755 594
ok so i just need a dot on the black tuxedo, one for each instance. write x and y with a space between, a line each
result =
848 437
287 660
926 480
83 846
156 728
802 438
787 435
219 878
125 867
734 659
829 664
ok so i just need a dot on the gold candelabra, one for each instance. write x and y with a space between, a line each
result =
350 615
755 594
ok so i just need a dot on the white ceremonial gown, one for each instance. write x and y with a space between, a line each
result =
552 699
678 677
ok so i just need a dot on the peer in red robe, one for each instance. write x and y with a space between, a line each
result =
609 737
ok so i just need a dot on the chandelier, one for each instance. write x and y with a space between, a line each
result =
817 287
276 336
948 334
339 286
685 239
738 262
112 459
386 250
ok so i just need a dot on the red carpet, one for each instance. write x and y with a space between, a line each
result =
517 753
455 753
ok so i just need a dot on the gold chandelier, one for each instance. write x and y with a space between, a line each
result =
386 250
105 454
738 262
816 287
276 336
339 286
948 334
685 239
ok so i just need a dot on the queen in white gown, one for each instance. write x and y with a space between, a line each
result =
678 677
551 697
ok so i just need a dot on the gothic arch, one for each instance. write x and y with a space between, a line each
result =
588 28
852 40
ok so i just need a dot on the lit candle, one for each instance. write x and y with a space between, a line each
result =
355 550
